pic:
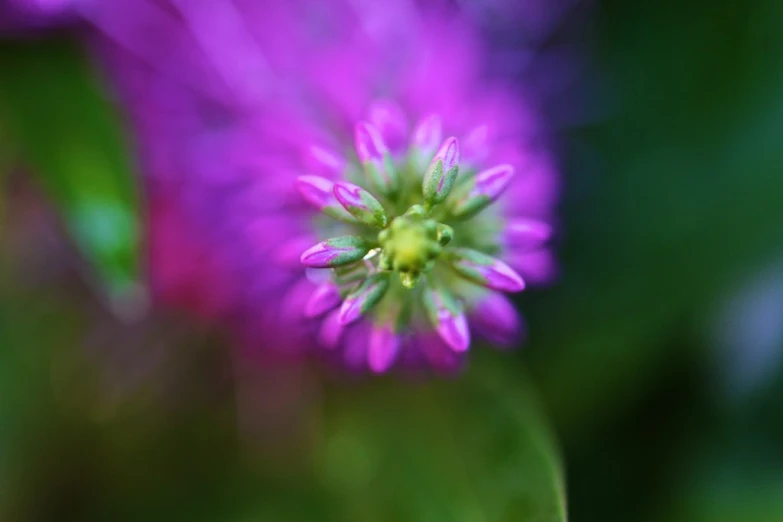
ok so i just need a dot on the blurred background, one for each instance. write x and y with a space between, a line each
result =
653 372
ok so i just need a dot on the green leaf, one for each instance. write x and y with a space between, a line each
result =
60 125
469 449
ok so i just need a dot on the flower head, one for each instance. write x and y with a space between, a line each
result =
422 246
352 176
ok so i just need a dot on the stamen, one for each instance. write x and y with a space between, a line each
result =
410 245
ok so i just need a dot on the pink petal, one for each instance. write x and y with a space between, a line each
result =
383 347
324 298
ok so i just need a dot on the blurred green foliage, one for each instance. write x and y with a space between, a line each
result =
674 199
684 200
156 419
468 450
169 446
55 118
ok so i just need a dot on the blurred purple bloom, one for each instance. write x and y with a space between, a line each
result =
26 15
300 184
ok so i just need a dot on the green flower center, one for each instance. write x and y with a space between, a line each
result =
411 244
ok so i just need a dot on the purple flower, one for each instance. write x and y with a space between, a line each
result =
351 177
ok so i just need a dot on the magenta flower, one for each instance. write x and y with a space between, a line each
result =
340 175
423 246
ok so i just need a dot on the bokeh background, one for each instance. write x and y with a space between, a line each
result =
652 375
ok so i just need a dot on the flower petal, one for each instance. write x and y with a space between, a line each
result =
375 158
486 270
427 134
440 356
447 317
538 267
288 253
475 145
323 298
331 331
495 318
324 161
364 298
486 187
360 204
335 252
369 143
383 347
441 173
526 234
319 192
390 121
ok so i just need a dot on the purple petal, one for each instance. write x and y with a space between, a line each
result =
502 277
375 158
364 298
486 270
439 355
474 145
447 317
492 182
390 121
495 318
335 252
331 331
527 234
354 351
454 331
324 161
449 153
360 204
488 185
323 298
441 173
317 191
383 347
427 134
289 253
349 194
369 143
539 266
289 311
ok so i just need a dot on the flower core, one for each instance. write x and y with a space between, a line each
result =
413 234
